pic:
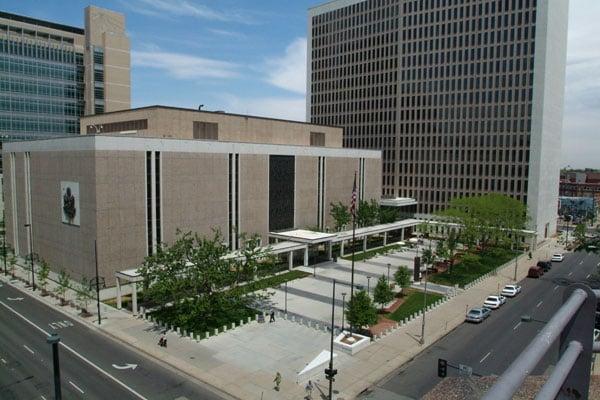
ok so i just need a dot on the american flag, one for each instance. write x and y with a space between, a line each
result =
353 201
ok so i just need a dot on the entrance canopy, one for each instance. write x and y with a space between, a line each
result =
304 236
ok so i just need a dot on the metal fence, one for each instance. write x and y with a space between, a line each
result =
573 325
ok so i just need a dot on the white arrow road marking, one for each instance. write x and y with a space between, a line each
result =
28 349
76 387
539 304
516 326
15 299
126 366
3 360
555 287
91 364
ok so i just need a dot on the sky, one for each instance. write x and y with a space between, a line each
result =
250 57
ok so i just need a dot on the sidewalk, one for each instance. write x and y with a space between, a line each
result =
243 362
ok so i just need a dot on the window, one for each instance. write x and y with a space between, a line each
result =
134 125
206 130
317 139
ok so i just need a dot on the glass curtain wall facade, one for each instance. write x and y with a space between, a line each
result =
41 84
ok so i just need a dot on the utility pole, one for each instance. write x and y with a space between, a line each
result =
286 298
31 255
422 340
330 372
54 339
4 242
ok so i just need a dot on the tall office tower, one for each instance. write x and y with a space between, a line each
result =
51 74
463 97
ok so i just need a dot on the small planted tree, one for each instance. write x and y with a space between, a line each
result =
580 233
12 264
451 245
382 293
402 277
340 214
84 297
43 274
360 310
64 283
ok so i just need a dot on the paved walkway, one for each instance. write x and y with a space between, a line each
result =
243 361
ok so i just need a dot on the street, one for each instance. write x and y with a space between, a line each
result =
489 348
92 365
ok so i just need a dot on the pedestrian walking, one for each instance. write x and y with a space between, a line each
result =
308 389
277 381
272 319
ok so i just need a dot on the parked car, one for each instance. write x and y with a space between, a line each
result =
546 265
535 272
478 314
558 257
494 302
511 290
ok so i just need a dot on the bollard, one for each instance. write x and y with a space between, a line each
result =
216 331
249 319
255 317
224 328
241 322
233 325
206 334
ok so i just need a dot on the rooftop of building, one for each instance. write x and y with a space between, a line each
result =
41 22
215 112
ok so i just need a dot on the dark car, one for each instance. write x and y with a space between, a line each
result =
535 272
546 265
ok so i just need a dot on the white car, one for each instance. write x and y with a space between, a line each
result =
558 257
494 302
511 290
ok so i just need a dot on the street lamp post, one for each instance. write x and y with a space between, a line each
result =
54 339
286 298
422 340
368 285
4 242
97 281
343 308
31 255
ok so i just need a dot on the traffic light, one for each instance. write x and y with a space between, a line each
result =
329 373
442 368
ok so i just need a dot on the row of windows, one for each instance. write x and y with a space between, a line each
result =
360 12
460 156
13 123
465 140
37 106
40 51
461 10
459 127
41 70
39 88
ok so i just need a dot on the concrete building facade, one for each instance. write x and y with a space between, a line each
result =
53 74
463 98
130 192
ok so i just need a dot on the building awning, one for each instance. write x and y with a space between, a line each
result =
398 202
303 236
377 229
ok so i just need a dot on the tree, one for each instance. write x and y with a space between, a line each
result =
340 214
85 294
367 213
579 233
43 274
360 310
428 257
488 219
451 245
402 277
382 294
64 283
12 262
441 251
388 215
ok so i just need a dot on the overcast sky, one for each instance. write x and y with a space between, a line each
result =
249 57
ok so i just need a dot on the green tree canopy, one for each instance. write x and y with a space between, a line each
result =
580 232
340 214
382 294
487 220
367 213
402 276
360 310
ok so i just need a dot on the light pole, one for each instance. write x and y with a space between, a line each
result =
31 256
330 372
389 265
368 285
286 298
422 340
4 242
343 308
54 339
97 281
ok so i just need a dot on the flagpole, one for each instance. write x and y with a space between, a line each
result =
353 243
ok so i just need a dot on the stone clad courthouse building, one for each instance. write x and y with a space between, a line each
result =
140 175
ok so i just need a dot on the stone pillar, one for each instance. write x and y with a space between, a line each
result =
134 298
119 304
306 256
342 248
385 238
291 260
402 234
330 251
365 243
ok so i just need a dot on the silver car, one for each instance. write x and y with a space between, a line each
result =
478 314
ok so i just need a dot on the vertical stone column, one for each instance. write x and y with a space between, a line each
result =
306 256
134 298
342 248
119 304
330 251
291 260
365 243
385 238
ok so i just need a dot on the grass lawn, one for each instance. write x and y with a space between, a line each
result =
463 274
359 256
413 302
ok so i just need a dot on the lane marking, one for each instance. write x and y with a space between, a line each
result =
581 262
588 276
486 356
28 349
539 304
517 325
43 398
555 287
97 368
76 387
570 273
3 360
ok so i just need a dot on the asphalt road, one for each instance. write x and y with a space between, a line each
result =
86 359
491 346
